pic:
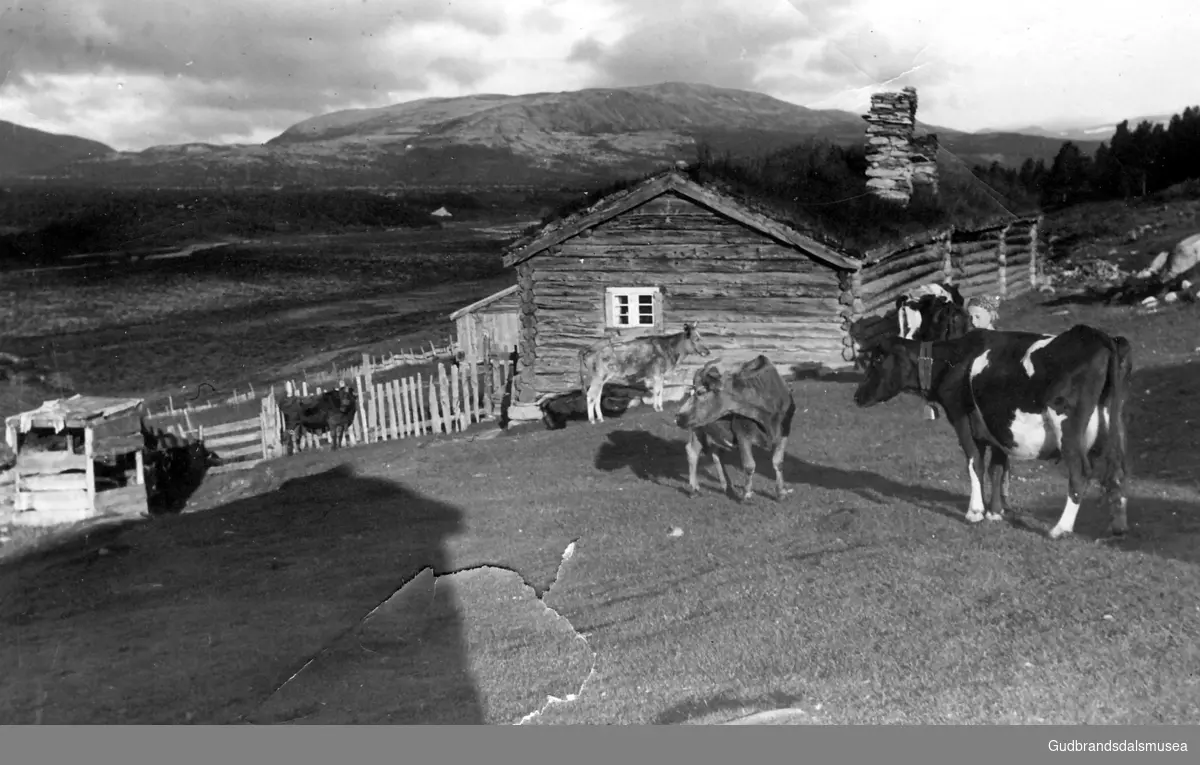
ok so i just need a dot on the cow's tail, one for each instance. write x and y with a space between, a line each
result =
583 379
1116 451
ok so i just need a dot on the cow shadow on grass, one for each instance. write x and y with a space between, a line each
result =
664 461
204 617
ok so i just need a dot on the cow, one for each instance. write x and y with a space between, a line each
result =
558 408
750 407
332 411
173 468
649 358
1029 397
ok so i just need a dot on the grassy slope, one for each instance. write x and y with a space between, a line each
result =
863 592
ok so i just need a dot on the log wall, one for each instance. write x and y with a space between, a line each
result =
1000 261
746 293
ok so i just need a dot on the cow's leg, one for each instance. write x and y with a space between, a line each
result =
781 491
595 389
974 454
997 469
721 479
1005 502
693 454
1115 469
1074 454
658 392
748 466
335 437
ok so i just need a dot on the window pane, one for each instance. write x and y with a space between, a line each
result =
621 315
645 309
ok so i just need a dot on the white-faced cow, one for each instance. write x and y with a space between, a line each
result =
1028 396
750 407
650 358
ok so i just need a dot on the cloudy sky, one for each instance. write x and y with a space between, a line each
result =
135 73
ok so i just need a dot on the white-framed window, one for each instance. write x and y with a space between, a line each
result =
633 307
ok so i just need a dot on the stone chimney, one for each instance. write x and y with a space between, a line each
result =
896 159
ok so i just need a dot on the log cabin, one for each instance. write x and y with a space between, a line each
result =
668 251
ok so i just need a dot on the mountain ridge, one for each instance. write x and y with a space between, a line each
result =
569 137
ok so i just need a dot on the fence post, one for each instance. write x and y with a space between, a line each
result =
1033 252
444 391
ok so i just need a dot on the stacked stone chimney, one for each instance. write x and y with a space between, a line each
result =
896 159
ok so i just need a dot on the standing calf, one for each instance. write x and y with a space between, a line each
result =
750 407
644 358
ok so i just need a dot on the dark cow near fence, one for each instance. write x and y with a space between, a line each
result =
557 409
650 358
1027 396
750 407
173 468
332 411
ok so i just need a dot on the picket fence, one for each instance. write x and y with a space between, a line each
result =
446 402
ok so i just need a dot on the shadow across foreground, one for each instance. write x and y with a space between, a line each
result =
201 617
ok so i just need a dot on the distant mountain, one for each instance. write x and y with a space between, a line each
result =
576 137
25 151
1083 130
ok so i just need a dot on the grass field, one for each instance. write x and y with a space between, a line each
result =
864 592
241 314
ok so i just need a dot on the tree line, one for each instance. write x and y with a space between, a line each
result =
1139 162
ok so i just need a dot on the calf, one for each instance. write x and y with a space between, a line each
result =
644 358
332 411
1025 395
557 409
750 407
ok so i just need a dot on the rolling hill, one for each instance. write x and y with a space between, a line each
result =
26 151
578 137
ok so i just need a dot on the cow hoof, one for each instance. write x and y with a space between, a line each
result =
993 516
1058 533
693 492
974 516
747 496
783 493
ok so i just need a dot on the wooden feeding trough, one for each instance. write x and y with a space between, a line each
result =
77 458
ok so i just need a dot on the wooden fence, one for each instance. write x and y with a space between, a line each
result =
244 433
999 261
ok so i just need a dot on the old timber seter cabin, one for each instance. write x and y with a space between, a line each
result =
668 251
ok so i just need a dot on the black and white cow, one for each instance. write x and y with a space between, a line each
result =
1028 396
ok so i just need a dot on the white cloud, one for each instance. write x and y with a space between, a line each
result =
243 70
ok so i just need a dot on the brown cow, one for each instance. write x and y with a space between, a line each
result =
750 407
649 358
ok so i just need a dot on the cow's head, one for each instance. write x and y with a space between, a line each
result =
692 342
347 399
888 366
705 402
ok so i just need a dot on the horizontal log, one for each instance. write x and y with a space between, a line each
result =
756 250
734 235
698 304
1018 241
55 482
232 440
754 330
892 266
661 264
240 451
30 462
734 318
974 269
231 427
821 281
76 499
991 257
123 500
972 248
230 467
668 224
898 284
1019 259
